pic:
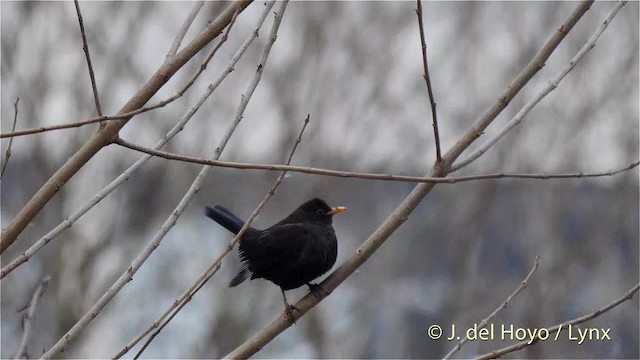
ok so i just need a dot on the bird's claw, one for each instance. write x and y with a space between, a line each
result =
317 290
288 311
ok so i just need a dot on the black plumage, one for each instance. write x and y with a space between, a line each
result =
291 253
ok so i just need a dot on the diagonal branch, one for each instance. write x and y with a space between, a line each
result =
402 212
518 83
427 78
13 128
153 244
64 225
85 47
141 110
557 329
109 131
552 85
484 322
183 30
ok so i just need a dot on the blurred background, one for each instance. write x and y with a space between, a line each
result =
356 68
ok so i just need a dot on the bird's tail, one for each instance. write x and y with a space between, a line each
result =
241 276
225 218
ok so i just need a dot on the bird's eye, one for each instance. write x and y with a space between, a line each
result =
320 212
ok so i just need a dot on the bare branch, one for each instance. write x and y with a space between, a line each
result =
402 212
61 345
183 30
13 128
109 131
127 173
552 85
370 176
518 83
483 323
28 317
130 114
557 329
85 47
427 79
215 266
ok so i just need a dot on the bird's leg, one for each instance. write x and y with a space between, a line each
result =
288 308
317 290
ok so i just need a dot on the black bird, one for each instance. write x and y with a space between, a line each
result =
291 253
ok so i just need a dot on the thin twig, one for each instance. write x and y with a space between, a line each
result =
215 266
359 175
73 124
427 79
557 329
127 173
27 320
404 209
483 323
183 30
13 128
153 244
141 110
210 55
552 85
85 47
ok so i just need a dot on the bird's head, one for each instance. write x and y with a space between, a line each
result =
317 210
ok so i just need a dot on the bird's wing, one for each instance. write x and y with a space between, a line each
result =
281 244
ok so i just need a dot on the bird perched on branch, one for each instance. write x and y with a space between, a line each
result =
291 253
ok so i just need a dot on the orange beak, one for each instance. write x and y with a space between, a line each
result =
336 210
